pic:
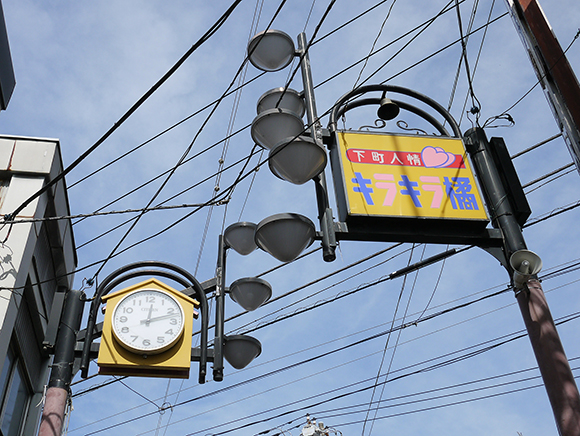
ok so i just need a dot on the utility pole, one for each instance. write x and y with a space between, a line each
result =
552 68
552 362
57 394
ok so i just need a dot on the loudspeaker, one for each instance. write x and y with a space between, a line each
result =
388 109
525 263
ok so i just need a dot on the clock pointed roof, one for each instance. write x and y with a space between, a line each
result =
151 283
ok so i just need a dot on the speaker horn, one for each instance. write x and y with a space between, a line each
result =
525 264
388 109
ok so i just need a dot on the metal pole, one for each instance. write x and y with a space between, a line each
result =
58 390
218 357
552 362
324 210
552 68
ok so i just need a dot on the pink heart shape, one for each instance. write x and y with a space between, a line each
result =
436 157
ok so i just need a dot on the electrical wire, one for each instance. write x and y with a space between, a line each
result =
555 212
215 101
168 171
483 38
538 81
318 396
318 280
411 366
476 105
458 71
220 200
446 8
395 347
533 147
319 85
240 178
407 44
374 44
163 132
237 98
280 370
384 353
212 30
550 174
111 212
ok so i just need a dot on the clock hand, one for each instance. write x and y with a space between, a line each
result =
148 320
157 318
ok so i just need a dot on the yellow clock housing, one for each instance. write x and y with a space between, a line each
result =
115 359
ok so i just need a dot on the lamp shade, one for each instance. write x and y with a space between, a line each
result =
251 292
297 160
290 100
273 125
285 235
240 237
271 50
240 350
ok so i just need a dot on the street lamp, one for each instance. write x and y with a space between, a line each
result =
286 98
502 192
240 237
295 158
250 293
286 159
271 50
241 350
273 125
285 235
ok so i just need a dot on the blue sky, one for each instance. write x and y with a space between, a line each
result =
81 65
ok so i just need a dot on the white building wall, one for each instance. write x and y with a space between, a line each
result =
26 164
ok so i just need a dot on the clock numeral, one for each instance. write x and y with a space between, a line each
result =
173 321
170 310
169 332
134 338
125 330
137 302
128 309
123 318
150 299
160 339
146 342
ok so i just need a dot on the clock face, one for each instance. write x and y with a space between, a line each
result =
148 321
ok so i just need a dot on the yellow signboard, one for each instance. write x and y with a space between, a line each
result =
408 176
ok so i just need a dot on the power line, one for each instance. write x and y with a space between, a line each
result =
538 81
550 174
426 58
533 147
215 201
212 30
215 101
167 130
395 347
407 44
562 320
374 44
443 11
465 356
476 105
111 212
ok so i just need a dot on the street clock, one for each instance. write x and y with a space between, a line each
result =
148 321
147 331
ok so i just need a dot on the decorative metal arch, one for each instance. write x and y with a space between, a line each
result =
130 271
347 102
